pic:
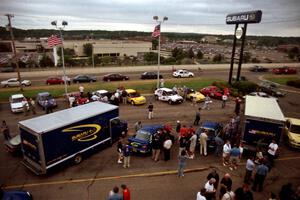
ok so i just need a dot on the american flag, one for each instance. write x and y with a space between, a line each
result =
53 40
156 31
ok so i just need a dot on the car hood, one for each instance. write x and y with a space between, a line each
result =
140 98
16 105
175 97
135 140
294 136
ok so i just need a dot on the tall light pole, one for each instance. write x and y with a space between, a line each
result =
9 27
158 59
64 23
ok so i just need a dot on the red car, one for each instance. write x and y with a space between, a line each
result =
284 70
214 92
54 80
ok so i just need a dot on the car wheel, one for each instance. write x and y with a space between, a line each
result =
170 102
48 83
132 103
124 79
91 81
78 158
77 82
5 85
191 76
23 85
108 80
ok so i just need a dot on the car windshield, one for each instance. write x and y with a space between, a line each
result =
17 100
134 94
45 97
142 135
295 129
169 93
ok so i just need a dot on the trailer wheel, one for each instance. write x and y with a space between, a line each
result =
78 158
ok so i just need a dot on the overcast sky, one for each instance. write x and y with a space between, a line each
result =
279 18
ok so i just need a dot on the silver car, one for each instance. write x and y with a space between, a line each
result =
14 82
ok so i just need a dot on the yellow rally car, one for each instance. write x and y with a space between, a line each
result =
292 132
134 97
191 94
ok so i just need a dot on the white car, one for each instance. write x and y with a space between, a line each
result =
14 82
16 104
101 95
183 73
168 95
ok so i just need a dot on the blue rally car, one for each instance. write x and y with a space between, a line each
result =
15 195
214 129
141 141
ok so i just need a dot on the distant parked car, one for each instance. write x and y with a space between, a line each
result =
134 97
214 92
84 78
183 73
271 89
42 97
168 95
141 141
14 82
15 195
115 77
54 80
7 69
150 75
257 68
262 94
15 101
214 129
284 70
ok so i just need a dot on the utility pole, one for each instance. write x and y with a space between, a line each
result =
9 16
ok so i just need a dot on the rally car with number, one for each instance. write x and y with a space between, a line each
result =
168 95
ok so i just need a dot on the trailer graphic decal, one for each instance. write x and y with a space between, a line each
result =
86 132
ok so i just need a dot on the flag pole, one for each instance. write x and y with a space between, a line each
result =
63 61
158 58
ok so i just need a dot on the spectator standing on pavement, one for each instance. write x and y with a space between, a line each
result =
182 144
226 152
201 194
210 189
243 193
181 163
156 145
225 185
178 126
207 101
25 106
71 100
197 117
150 110
249 169
31 104
229 195
260 176
162 82
203 143
224 99
114 194
167 148
126 155
81 90
124 96
48 107
126 192
175 88
137 126
219 146
234 157
238 102
120 151
5 130
272 150
215 175
193 142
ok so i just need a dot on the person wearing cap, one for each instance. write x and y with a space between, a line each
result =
210 189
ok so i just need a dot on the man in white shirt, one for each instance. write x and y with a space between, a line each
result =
226 152
81 90
200 195
210 189
273 147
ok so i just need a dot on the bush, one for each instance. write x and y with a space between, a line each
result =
294 83
245 87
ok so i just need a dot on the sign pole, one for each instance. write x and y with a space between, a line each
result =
232 56
241 53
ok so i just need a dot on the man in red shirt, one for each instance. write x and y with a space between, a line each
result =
126 192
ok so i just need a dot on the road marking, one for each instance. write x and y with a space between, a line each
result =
152 174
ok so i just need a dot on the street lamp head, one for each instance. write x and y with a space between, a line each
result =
54 23
155 18
165 18
64 23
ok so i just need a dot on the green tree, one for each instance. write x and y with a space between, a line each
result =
154 44
293 52
199 54
46 61
150 57
191 53
246 57
88 49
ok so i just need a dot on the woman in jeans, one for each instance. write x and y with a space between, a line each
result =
181 164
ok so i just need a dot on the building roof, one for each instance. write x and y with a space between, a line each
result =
266 108
49 122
